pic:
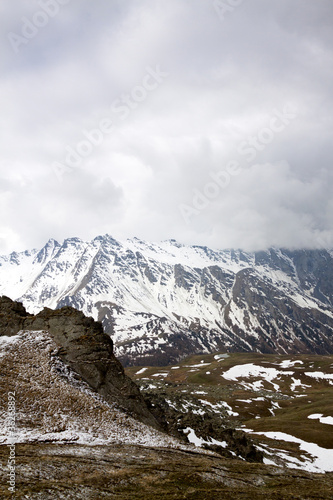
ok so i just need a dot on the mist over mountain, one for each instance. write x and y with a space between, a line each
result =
161 302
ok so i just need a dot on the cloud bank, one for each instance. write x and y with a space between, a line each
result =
205 121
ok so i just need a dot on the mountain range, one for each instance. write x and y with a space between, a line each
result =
163 301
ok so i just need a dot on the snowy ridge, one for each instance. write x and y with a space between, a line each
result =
148 294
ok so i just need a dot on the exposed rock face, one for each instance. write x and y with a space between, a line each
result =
12 316
85 348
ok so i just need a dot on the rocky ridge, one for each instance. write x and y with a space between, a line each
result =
84 347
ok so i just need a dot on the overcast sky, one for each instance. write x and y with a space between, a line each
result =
205 121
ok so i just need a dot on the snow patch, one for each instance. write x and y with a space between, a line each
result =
251 370
322 458
287 363
141 371
320 375
321 418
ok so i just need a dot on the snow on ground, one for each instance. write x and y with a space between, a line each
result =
321 418
170 403
141 371
297 383
197 366
224 444
4 340
251 370
304 301
220 406
254 386
320 375
192 437
287 363
6 343
219 357
170 252
197 441
321 458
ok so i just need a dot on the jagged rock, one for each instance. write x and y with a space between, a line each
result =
85 348
12 316
205 426
239 443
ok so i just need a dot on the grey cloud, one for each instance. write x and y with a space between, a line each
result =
46 206
225 79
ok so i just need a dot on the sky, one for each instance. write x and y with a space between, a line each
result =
205 121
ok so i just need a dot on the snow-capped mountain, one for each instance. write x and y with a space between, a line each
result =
161 302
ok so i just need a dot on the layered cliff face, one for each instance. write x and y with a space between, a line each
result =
162 302
84 347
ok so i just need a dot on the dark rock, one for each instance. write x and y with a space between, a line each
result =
12 316
205 426
239 443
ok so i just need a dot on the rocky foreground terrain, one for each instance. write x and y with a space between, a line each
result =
84 430
130 472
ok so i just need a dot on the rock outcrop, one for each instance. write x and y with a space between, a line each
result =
12 316
205 426
85 348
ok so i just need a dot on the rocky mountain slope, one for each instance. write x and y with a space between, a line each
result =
162 302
